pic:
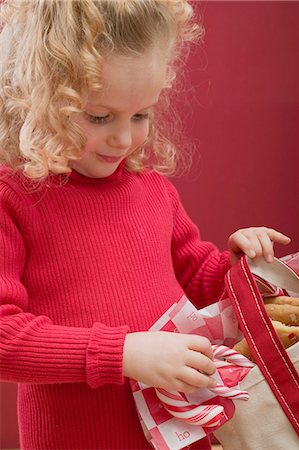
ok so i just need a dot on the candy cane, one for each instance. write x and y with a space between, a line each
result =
233 394
230 355
232 358
177 406
206 415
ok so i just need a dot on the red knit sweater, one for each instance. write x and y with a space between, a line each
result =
82 263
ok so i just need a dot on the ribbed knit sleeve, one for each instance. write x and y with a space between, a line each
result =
199 266
32 348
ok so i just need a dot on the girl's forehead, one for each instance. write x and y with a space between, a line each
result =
129 83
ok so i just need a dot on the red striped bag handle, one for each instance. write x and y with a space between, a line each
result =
262 339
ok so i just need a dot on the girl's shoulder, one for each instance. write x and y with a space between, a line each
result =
152 177
11 178
7 176
16 179
160 185
5 171
15 186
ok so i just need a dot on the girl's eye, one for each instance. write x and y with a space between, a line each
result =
104 119
140 116
97 119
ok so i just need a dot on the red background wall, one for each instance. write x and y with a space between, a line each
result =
244 115
245 107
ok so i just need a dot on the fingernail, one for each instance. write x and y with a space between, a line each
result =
251 254
269 258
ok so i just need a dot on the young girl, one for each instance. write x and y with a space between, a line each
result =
94 243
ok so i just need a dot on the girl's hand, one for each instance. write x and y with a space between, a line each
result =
255 242
172 361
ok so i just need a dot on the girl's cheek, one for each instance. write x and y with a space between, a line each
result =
144 132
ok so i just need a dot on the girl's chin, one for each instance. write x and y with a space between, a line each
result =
97 171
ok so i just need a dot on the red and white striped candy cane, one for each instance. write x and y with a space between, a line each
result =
175 403
233 394
206 415
231 356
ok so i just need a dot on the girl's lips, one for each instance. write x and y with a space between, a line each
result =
110 159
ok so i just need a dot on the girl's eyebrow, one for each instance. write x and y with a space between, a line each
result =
111 108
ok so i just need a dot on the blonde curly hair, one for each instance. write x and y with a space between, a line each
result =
52 49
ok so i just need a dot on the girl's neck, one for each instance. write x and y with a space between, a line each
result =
115 176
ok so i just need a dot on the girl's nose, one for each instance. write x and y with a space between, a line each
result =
120 138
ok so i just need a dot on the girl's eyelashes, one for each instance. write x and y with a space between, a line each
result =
103 119
141 116
97 119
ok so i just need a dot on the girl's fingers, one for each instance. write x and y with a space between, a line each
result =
257 242
195 378
182 386
200 345
254 246
248 243
200 362
278 237
266 238
267 247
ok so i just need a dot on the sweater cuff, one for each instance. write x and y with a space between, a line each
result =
104 359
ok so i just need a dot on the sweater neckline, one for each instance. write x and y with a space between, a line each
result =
115 176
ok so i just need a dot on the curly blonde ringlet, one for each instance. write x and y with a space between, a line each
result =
53 50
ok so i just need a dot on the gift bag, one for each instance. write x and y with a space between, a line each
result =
270 418
172 421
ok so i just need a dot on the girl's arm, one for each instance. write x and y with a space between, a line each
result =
199 266
32 348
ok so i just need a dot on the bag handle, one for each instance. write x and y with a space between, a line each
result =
270 355
276 273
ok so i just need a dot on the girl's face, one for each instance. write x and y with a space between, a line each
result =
116 120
